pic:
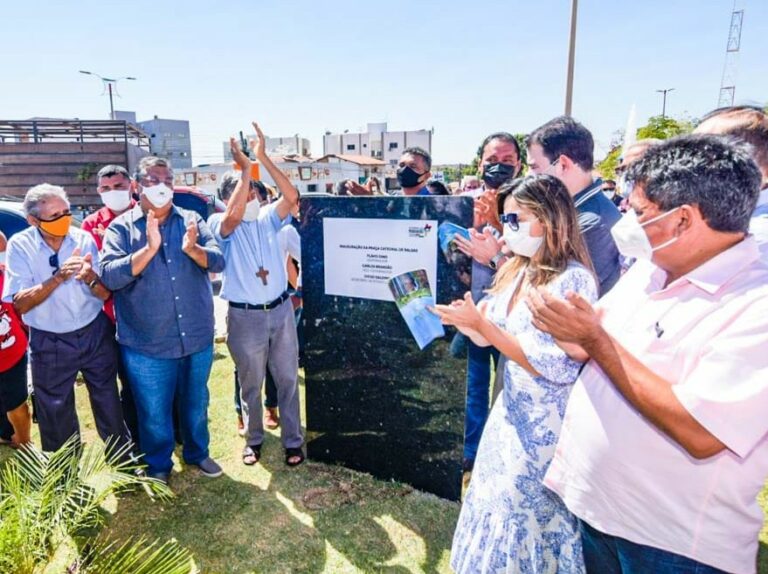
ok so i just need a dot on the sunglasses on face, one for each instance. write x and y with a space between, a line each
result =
511 220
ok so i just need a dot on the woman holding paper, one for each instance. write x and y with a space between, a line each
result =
509 521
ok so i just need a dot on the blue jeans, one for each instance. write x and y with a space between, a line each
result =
606 554
154 383
478 394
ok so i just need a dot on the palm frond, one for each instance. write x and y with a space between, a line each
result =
136 557
48 498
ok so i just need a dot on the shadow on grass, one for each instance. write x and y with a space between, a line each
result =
315 518
762 558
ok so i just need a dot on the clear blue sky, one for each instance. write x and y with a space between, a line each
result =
303 66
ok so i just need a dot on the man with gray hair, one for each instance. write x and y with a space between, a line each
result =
156 259
52 283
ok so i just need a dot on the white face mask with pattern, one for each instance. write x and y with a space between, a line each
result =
158 195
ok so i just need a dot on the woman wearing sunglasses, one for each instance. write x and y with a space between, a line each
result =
509 521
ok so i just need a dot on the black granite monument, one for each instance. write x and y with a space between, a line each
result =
374 401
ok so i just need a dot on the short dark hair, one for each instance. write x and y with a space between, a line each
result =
436 187
715 174
229 182
503 136
112 170
565 136
422 153
748 124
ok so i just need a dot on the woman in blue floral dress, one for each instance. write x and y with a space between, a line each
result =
510 522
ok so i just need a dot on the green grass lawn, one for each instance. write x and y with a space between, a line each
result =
269 518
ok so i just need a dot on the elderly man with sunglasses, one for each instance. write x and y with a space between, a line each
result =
52 283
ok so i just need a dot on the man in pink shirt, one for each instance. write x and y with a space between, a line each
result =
664 445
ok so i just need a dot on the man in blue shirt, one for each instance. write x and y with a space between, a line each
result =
50 280
563 148
156 258
413 171
260 323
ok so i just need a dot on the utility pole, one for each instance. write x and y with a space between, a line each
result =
664 101
571 59
108 83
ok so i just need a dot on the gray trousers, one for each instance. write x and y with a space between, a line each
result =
258 340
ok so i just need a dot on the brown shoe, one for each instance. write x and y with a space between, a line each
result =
271 420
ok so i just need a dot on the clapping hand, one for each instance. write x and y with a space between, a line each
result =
481 246
239 157
86 273
571 320
72 265
462 313
259 145
486 210
153 232
355 188
190 238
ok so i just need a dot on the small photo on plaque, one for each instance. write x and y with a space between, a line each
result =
413 297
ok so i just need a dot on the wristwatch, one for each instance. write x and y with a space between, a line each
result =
494 262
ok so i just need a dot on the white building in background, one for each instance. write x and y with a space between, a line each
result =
282 146
377 142
307 175
168 139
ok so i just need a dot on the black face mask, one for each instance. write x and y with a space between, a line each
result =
497 174
406 177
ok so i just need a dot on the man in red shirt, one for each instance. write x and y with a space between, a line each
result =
115 189
13 370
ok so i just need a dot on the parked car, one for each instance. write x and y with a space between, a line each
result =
197 199
12 218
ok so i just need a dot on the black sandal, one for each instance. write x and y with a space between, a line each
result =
251 454
294 452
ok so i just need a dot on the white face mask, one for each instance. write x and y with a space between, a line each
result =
631 239
252 210
624 188
117 200
521 242
158 195
2 258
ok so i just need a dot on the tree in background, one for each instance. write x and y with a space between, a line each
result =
658 127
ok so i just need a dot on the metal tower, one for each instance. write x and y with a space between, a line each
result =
728 82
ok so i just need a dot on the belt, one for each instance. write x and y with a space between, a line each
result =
261 306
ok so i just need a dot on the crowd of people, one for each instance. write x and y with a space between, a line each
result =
630 435
623 320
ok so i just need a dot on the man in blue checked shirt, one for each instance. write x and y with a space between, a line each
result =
156 259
